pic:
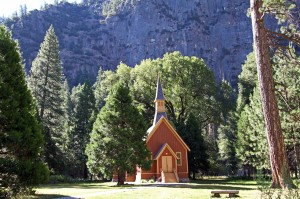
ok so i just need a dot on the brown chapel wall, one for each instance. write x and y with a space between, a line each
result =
163 135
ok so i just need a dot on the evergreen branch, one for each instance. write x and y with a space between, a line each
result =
295 38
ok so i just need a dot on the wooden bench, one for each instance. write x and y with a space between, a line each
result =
232 193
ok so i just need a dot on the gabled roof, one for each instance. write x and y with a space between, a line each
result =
159 92
162 148
159 115
152 129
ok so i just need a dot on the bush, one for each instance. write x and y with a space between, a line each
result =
266 192
54 179
147 181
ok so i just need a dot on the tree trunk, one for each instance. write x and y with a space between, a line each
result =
278 159
296 151
244 171
85 171
121 177
194 175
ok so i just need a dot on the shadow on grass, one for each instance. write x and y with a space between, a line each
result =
247 184
205 186
44 196
225 181
76 185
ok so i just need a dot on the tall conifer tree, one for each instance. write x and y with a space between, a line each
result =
118 138
46 82
263 40
227 129
197 157
252 141
82 128
286 76
21 139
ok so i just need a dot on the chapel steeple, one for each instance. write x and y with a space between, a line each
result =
159 101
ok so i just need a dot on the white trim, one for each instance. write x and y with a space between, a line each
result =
179 158
157 167
187 164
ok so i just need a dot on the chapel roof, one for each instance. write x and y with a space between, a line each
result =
162 148
159 92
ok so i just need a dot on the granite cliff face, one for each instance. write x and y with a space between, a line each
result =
217 31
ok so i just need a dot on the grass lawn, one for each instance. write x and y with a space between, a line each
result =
196 189
70 189
180 191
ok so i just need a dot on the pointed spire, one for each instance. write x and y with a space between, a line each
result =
159 91
160 110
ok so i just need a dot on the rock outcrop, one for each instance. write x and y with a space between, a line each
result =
217 31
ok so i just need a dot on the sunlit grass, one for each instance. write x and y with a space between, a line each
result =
191 190
195 189
70 189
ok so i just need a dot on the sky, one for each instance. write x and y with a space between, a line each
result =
7 7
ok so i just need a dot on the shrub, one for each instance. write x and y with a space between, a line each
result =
54 179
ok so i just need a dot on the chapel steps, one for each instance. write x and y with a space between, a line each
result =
170 178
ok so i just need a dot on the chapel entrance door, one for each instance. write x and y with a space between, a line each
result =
167 164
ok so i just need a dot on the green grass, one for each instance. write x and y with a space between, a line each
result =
192 190
69 189
195 189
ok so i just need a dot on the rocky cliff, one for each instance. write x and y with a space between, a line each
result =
217 31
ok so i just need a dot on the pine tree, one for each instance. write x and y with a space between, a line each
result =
252 140
46 82
67 106
106 80
227 144
21 139
82 129
68 126
247 82
286 75
117 141
226 137
278 158
97 90
197 157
